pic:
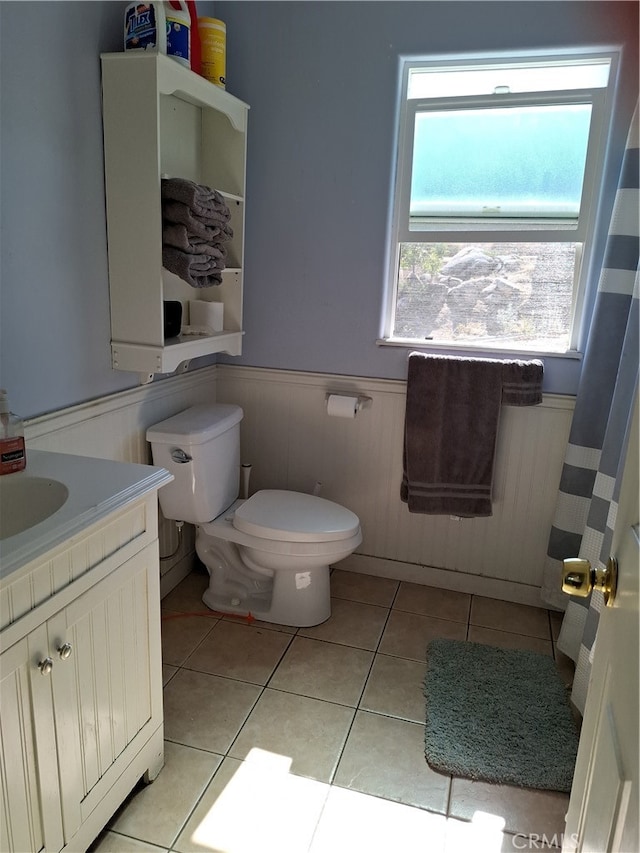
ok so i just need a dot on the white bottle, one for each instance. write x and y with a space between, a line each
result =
178 32
145 27
13 456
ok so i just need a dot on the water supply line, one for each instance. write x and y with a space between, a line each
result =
179 525
245 471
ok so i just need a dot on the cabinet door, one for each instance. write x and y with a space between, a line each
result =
106 681
30 818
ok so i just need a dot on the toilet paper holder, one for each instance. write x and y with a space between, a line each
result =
364 402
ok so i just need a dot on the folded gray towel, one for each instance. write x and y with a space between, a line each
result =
451 424
176 211
202 248
178 237
195 227
201 200
189 193
196 270
216 209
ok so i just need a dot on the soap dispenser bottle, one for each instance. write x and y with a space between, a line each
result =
13 456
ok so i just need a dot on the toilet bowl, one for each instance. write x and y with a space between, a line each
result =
272 555
268 555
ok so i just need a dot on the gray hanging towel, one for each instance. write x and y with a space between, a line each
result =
451 425
522 383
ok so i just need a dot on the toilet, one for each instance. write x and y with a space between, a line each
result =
268 555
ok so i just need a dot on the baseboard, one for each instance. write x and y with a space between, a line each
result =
443 578
176 573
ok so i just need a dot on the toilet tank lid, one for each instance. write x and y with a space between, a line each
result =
294 517
195 425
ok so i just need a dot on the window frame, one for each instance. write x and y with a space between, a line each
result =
504 230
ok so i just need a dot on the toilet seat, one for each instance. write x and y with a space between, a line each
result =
286 516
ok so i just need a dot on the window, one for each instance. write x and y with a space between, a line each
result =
498 174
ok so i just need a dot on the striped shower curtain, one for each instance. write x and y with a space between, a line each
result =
589 488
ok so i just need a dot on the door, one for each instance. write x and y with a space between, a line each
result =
603 809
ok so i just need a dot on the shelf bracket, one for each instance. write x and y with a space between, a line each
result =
146 378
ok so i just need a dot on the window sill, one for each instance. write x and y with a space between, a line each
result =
477 349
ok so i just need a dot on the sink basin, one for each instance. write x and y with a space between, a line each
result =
26 501
59 496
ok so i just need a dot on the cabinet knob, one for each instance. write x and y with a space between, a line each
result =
65 651
45 666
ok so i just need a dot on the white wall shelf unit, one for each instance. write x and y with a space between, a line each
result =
162 120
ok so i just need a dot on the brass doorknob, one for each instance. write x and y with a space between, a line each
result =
578 578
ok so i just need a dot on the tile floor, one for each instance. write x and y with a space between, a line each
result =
310 740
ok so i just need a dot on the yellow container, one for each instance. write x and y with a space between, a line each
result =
213 48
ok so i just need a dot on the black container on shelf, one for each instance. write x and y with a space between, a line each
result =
172 318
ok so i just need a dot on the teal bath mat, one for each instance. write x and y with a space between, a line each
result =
499 715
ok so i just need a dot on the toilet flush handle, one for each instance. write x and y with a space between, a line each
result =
178 455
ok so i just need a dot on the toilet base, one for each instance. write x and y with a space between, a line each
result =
299 599
295 596
303 611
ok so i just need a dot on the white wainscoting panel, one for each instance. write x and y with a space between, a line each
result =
114 427
292 443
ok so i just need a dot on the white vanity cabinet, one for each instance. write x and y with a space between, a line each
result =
80 681
85 679
162 120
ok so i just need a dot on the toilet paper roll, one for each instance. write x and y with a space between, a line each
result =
339 406
210 314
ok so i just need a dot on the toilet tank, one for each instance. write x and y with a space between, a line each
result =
200 446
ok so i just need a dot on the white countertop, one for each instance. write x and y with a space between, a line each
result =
96 488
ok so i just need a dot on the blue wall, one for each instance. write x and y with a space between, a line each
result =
321 79
54 343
